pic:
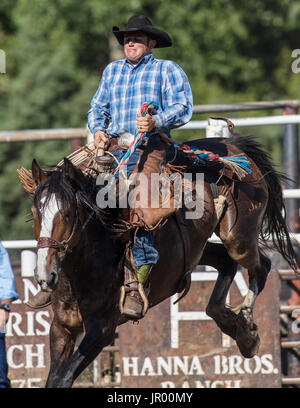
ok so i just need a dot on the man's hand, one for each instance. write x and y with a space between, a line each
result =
145 123
4 314
101 140
3 319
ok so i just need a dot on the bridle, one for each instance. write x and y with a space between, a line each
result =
64 246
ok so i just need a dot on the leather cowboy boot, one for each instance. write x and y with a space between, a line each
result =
41 299
136 302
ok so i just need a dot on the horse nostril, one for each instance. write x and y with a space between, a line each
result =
52 279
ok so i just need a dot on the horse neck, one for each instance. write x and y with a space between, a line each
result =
94 251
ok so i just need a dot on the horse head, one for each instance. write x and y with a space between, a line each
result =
58 219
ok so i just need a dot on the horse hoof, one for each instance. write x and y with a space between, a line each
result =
248 345
247 338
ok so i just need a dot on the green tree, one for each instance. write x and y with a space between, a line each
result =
56 51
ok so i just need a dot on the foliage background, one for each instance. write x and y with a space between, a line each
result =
56 50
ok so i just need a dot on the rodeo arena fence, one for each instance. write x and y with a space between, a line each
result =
187 350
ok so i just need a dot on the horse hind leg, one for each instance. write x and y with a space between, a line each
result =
258 266
217 256
247 337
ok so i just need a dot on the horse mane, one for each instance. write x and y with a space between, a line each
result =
82 188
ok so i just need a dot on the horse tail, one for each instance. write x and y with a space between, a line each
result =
274 225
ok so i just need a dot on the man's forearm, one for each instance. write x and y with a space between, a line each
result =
174 117
97 120
5 301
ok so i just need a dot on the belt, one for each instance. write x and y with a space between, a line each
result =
123 141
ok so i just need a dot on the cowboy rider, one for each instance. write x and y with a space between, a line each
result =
124 86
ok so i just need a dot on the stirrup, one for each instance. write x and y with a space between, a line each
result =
133 307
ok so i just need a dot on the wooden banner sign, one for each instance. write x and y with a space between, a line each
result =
27 339
173 346
179 346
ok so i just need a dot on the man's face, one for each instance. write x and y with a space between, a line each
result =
136 46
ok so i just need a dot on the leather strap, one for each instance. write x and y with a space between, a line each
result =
47 242
185 282
214 190
229 123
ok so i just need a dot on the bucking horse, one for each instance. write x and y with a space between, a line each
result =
80 260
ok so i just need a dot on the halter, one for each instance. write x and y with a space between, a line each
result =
64 245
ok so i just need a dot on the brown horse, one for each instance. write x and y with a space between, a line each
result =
81 262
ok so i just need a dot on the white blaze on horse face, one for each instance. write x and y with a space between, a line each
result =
48 215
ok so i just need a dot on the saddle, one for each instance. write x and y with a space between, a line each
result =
161 166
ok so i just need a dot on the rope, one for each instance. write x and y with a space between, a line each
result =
126 180
146 108
238 164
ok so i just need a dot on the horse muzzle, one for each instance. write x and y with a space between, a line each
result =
47 270
50 284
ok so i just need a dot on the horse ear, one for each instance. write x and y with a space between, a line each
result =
38 175
69 171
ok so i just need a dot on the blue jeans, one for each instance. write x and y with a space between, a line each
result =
4 380
143 249
119 153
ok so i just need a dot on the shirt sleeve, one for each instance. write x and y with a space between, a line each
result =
99 114
7 279
177 98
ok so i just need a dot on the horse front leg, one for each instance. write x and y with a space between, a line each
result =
216 255
62 342
99 333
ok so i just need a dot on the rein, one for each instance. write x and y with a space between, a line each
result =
146 108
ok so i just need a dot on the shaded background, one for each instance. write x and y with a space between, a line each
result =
56 51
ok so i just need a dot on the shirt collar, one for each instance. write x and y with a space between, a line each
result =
144 60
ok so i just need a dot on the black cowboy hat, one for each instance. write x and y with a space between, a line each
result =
144 25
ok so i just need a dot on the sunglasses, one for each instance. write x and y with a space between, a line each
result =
138 40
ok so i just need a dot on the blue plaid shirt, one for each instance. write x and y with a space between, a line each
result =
124 87
7 279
